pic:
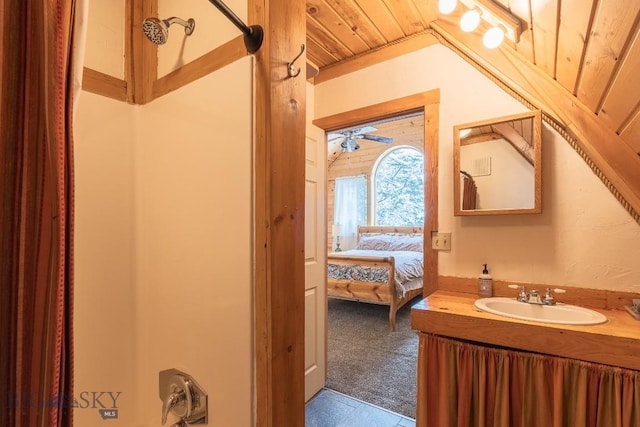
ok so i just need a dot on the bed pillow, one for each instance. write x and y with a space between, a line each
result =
375 242
406 243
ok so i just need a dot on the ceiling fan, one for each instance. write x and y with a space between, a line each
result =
351 136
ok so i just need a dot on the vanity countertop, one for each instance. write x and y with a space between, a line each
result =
615 342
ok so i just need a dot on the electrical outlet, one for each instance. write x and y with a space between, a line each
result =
440 241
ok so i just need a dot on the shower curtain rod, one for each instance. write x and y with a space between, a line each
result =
253 34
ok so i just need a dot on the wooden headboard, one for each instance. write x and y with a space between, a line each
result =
365 229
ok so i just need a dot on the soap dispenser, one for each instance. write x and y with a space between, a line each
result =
485 283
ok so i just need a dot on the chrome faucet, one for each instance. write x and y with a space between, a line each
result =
522 295
533 296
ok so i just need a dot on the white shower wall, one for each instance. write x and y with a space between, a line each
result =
164 230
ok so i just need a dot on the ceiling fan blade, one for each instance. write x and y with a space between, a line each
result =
334 136
365 129
377 138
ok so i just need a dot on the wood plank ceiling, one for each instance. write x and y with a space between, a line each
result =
590 47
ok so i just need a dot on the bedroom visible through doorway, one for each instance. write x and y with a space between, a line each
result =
426 103
375 177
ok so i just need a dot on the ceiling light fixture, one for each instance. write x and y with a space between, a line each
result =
447 6
470 20
493 37
495 15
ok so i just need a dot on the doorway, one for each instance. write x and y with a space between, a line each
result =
424 105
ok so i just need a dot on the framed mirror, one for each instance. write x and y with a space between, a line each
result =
497 166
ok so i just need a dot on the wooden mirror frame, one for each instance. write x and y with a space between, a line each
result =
536 159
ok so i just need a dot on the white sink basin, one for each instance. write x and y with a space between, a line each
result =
563 314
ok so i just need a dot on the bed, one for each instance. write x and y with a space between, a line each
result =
386 267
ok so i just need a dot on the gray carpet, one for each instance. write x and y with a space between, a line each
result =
367 361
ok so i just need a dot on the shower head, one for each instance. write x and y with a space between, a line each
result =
157 30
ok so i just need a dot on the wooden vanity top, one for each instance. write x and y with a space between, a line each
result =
615 342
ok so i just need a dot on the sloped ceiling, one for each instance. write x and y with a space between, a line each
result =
586 51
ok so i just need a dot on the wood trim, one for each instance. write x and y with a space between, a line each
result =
536 161
606 153
431 139
214 60
385 229
383 110
429 103
595 298
103 84
141 56
279 185
388 51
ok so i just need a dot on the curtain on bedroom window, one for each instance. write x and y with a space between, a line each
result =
465 384
350 208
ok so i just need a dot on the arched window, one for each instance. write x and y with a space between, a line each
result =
398 188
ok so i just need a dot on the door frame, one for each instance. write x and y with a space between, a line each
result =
427 103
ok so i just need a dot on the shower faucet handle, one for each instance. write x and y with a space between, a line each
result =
182 396
170 402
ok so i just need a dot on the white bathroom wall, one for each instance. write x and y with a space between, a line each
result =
105 37
164 229
104 294
212 29
583 237
193 255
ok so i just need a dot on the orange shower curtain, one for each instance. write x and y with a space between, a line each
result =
36 186
464 384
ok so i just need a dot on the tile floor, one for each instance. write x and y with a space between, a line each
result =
329 408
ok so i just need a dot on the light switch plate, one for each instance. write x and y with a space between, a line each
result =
440 241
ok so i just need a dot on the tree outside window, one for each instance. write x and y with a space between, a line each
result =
399 188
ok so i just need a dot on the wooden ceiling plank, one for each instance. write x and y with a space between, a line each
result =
522 9
407 17
631 133
327 40
359 62
357 21
338 27
575 23
622 99
544 16
608 152
319 56
379 14
428 10
613 21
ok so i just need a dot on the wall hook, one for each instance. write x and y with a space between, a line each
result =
292 70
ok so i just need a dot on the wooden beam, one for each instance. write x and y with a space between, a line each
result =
389 51
279 184
611 156
103 84
141 56
516 140
214 60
